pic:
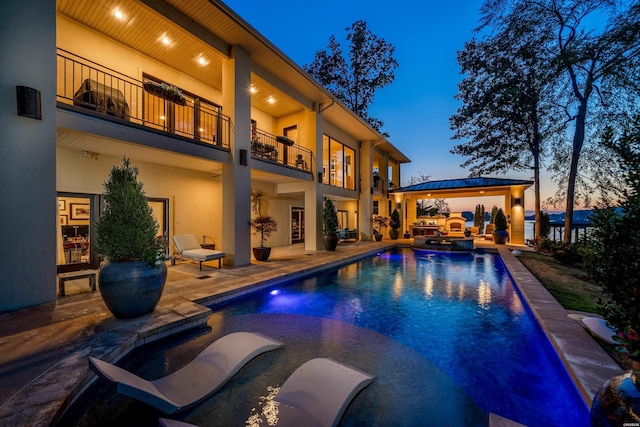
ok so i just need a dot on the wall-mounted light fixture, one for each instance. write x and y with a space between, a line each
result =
29 104
243 157
517 201
319 176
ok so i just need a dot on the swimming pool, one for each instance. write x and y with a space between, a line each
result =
446 335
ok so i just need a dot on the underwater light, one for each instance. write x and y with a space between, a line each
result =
274 292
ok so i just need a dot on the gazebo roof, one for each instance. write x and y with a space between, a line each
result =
465 185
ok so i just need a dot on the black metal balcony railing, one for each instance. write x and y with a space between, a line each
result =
83 83
265 146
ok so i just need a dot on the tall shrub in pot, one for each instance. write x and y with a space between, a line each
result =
501 234
394 223
329 226
263 225
132 279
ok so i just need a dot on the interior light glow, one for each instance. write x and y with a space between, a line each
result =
161 117
165 40
118 14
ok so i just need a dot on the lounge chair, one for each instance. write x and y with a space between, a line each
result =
194 382
318 393
315 395
188 247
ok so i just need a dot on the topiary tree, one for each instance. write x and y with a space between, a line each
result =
126 229
492 217
395 220
613 257
329 218
478 218
501 221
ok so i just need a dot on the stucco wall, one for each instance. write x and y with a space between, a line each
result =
195 198
27 162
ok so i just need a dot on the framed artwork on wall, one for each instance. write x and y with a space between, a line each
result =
79 211
62 205
64 219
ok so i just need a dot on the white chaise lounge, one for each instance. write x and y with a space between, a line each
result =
188 247
194 382
315 395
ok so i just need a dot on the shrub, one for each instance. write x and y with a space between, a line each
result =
126 229
395 220
329 218
501 220
613 260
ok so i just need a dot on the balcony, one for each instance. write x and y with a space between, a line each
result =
86 86
280 150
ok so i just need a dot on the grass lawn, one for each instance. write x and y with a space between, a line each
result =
572 288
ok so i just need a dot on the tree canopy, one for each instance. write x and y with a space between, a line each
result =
354 79
549 72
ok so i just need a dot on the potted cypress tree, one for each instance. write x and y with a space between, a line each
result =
132 279
263 225
395 225
329 226
501 234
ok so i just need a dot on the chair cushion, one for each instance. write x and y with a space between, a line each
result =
203 254
184 242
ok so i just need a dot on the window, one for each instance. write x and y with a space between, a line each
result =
339 163
375 207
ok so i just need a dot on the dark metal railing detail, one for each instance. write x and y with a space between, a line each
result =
89 85
281 150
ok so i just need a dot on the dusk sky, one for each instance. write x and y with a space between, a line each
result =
416 107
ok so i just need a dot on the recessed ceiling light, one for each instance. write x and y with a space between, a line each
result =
161 117
253 89
165 40
201 60
118 14
270 100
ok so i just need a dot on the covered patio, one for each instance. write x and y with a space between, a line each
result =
511 189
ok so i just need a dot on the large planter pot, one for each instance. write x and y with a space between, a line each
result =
261 253
394 234
132 288
617 402
500 236
330 241
378 237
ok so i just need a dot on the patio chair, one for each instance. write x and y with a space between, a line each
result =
188 247
194 382
316 394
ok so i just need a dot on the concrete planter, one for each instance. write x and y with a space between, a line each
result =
261 253
330 241
132 288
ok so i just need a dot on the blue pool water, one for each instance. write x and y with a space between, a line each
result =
447 336
460 311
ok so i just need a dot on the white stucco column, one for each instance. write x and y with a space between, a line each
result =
236 178
516 233
366 185
313 190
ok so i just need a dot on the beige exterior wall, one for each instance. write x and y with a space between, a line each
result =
194 197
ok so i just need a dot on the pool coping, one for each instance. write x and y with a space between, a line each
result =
588 365
46 398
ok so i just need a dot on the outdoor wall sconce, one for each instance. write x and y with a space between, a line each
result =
243 157
517 201
319 176
29 103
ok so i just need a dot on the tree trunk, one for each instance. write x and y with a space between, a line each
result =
578 141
